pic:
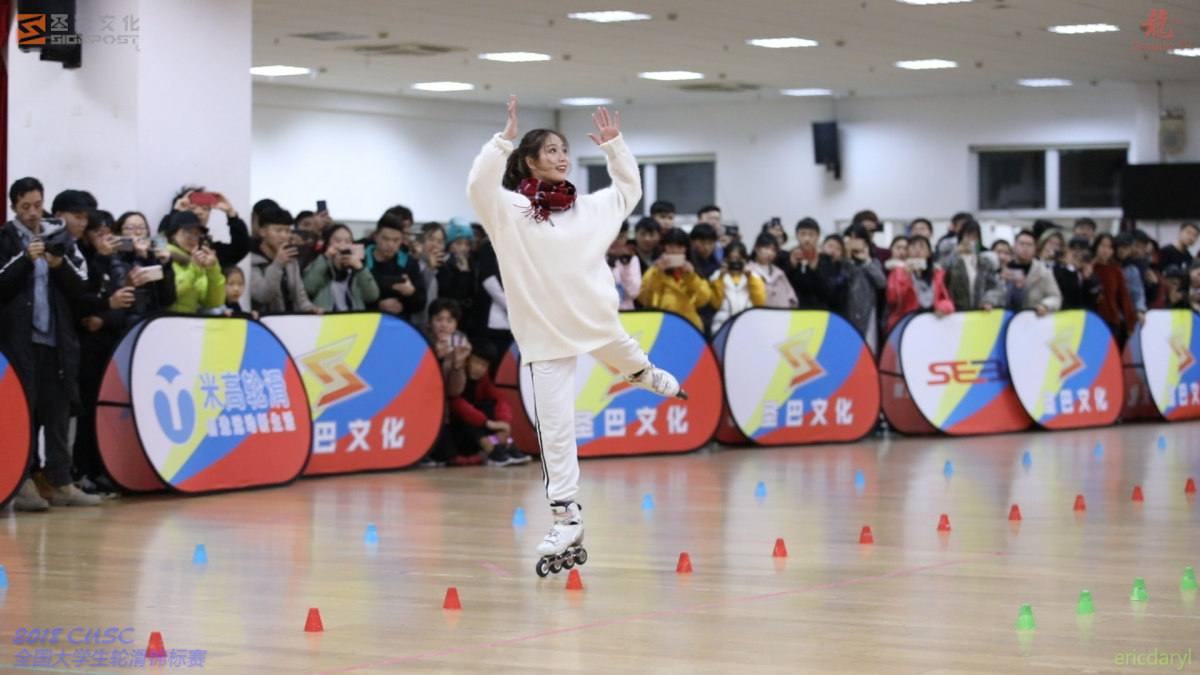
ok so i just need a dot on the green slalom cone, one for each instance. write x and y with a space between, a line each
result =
1025 618
1085 605
1139 590
1189 580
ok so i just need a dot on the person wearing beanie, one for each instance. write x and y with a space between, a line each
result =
199 283
551 245
458 279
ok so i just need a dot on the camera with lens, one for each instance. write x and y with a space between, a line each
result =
59 244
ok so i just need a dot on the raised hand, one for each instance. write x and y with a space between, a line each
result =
510 129
608 126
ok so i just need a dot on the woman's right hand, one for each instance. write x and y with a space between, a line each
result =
510 129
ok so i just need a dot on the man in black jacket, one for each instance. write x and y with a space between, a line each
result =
814 275
398 274
41 270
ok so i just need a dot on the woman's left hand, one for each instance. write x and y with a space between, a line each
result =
607 125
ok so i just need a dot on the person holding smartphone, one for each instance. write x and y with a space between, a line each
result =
672 283
917 284
972 274
276 284
337 281
551 247
201 203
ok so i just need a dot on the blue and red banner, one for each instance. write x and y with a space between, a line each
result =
898 406
1068 372
17 431
794 376
956 368
1170 343
218 404
120 449
374 386
613 417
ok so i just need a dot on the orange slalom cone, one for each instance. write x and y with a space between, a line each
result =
1137 494
1080 505
452 599
156 650
1014 513
313 623
780 549
574 583
685 563
944 523
1190 488
866 537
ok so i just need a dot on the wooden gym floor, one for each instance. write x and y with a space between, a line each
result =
915 601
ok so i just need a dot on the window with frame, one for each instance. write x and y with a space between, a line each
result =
1012 179
1090 178
688 182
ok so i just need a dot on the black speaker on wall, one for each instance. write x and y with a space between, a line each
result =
49 26
825 147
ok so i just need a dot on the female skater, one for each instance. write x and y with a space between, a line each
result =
562 302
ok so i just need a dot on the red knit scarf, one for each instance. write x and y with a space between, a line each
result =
545 198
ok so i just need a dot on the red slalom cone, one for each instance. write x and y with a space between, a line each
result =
944 523
1137 494
1080 505
866 537
780 549
574 583
1190 488
685 564
156 650
313 623
451 599
1014 513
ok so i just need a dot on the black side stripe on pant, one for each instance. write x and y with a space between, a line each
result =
537 423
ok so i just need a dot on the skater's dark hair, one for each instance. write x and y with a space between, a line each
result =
445 304
531 147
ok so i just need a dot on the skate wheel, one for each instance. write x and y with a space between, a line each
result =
556 567
542 567
581 556
568 563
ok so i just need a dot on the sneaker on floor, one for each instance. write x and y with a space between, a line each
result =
498 457
28 498
659 381
428 462
71 495
43 485
515 456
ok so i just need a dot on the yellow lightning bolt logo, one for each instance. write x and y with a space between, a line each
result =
1069 361
328 365
1179 345
604 384
805 368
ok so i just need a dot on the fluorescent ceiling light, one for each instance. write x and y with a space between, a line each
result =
329 35
932 2
668 75
782 43
608 17
515 57
584 100
1083 28
279 71
1185 52
1044 82
926 64
806 92
443 86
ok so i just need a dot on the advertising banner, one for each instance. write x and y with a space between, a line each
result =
957 371
728 432
613 417
374 386
1065 368
795 376
508 381
17 430
218 404
1139 403
1169 344
120 448
898 406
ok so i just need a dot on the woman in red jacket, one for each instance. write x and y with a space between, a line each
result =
917 285
1114 305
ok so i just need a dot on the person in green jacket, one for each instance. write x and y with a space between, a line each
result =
199 283
335 281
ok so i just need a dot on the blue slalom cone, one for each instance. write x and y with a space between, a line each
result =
3 577
1099 451
949 468
1026 459
519 517
859 478
200 556
648 502
1162 442
760 490
372 536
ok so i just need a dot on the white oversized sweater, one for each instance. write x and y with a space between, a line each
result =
561 298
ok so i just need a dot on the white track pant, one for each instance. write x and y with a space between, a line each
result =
554 411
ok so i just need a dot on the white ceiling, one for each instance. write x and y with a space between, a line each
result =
995 42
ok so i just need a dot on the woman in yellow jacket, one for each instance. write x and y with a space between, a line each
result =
199 283
735 288
672 285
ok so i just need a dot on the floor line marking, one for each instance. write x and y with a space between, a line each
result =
492 568
666 612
